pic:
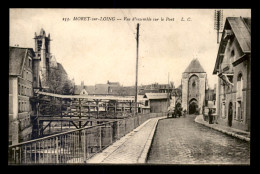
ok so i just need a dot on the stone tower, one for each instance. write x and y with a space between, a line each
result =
193 87
42 53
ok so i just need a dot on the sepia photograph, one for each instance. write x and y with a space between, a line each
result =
129 86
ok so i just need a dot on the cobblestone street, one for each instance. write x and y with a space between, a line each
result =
182 141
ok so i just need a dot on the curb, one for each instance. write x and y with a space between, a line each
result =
224 131
99 157
144 155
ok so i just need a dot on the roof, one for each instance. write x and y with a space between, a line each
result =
17 57
242 31
86 96
120 90
143 92
101 89
152 96
90 89
61 68
113 83
241 28
194 67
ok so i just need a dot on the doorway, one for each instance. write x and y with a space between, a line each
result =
230 114
193 106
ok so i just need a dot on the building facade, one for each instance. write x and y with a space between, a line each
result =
233 67
193 87
158 102
20 91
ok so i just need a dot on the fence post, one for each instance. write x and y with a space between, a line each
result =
84 146
125 127
111 132
57 157
100 140
118 131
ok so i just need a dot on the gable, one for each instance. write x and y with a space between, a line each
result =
194 67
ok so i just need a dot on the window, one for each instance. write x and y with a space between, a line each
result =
193 84
146 103
21 110
19 106
223 110
232 53
239 95
19 89
238 110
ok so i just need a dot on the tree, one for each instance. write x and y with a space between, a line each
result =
55 81
67 88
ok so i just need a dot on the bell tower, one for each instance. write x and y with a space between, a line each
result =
42 53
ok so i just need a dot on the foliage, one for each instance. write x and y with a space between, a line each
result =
58 82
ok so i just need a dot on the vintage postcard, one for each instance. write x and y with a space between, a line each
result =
129 86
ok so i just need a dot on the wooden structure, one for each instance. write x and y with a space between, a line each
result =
77 110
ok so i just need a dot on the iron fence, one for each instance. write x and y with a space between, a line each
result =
74 146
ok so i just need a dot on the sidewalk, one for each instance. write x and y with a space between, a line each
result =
224 129
132 148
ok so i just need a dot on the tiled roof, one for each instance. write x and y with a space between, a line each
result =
16 60
194 67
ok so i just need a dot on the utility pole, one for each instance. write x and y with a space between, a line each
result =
136 77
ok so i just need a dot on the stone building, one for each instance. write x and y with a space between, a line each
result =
42 59
193 87
233 67
20 91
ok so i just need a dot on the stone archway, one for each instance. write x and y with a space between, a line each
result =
193 106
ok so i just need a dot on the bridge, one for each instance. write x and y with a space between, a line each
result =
79 110
129 138
98 122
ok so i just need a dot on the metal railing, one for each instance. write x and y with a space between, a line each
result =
74 146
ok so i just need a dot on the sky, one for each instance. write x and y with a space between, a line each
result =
96 51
